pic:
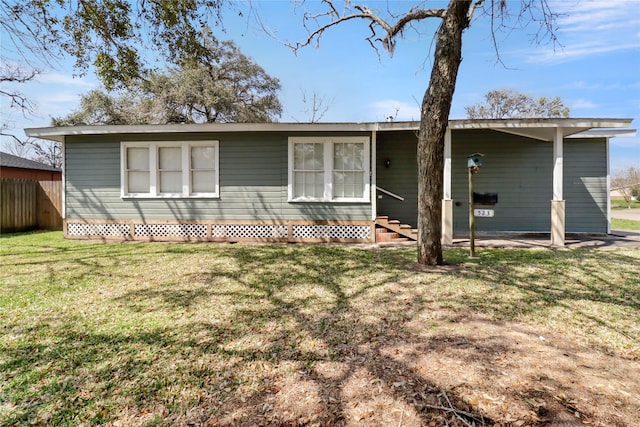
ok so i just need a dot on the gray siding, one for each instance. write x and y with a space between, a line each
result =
253 183
399 178
518 169
585 185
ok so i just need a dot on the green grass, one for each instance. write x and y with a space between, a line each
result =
624 224
621 204
93 333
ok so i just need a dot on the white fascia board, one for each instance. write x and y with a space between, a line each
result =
541 129
505 125
56 133
587 123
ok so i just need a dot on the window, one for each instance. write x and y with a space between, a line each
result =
170 169
203 170
308 170
329 169
348 170
137 169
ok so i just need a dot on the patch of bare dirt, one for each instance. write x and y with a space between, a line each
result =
474 372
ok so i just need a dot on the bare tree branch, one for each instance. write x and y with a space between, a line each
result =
15 74
316 106
363 12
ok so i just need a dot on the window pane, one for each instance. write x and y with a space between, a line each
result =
203 158
348 157
317 160
338 157
348 154
308 185
138 182
358 157
348 185
298 156
137 158
338 184
170 182
203 181
298 184
308 156
308 174
170 158
349 178
358 189
319 185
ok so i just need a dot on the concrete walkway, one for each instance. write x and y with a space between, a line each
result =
617 239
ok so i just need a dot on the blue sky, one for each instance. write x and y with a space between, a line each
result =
595 69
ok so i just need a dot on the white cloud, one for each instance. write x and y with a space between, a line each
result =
582 104
59 98
591 27
64 79
580 50
593 15
388 108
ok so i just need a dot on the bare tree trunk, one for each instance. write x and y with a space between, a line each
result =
436 105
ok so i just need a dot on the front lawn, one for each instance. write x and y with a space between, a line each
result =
624 224
218 334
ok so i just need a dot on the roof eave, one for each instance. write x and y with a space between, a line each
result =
570 125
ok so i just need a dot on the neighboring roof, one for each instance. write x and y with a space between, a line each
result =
10 161
543 129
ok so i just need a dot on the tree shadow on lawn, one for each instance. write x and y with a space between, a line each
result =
353 343
287 336
584 283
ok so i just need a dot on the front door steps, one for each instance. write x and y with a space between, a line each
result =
393 231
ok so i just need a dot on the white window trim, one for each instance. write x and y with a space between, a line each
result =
328 168
154 193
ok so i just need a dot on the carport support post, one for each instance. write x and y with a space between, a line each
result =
557 204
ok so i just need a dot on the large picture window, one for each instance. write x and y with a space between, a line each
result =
170 169
329 169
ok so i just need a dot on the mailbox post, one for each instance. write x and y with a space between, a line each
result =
474 162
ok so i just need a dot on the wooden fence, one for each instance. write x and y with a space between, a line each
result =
30 205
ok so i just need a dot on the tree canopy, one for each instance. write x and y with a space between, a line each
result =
511 104
110 35
233 88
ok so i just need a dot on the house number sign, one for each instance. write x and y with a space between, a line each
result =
485 213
